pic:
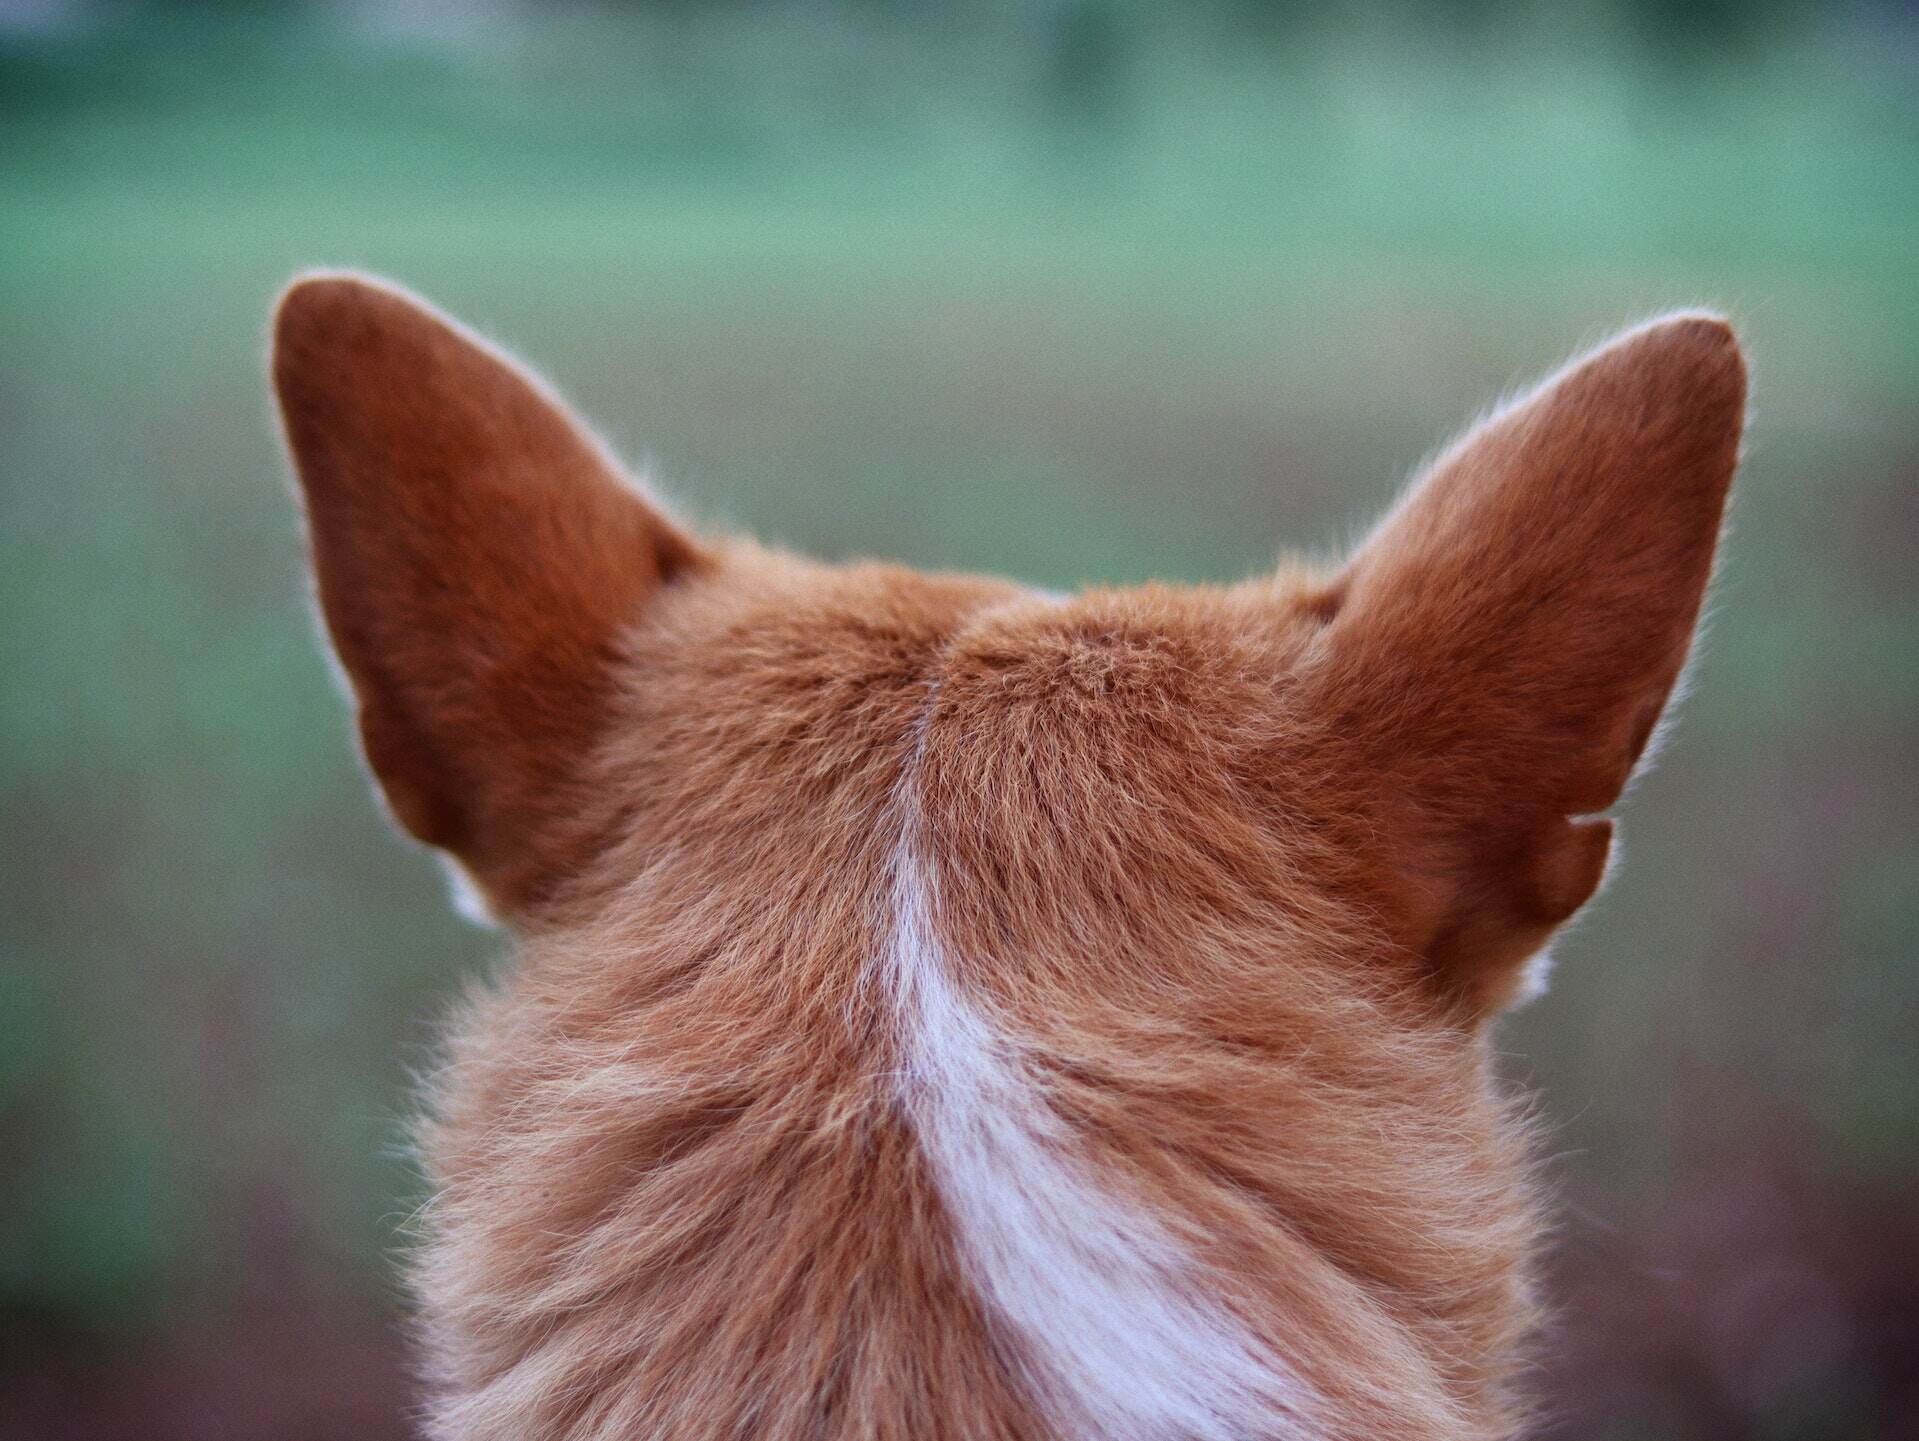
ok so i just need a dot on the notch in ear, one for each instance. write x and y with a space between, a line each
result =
1500 649
477 554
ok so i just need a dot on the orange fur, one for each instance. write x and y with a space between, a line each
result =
820 874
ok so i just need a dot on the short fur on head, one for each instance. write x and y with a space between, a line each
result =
947 1011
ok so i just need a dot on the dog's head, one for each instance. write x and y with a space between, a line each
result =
1232 863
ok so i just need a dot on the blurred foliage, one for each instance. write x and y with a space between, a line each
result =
1079 290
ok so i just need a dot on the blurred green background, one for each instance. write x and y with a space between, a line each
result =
1077 289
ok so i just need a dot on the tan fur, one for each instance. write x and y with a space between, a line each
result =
1241 872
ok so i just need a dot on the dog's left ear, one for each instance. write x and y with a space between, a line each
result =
477 554
1497 654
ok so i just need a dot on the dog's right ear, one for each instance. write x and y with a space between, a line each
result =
1496 655
476 553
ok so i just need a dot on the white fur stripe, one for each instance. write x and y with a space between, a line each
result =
1122 1341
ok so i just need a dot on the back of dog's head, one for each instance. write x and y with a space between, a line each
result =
947 1009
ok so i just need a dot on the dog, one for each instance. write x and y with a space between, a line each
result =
948 1010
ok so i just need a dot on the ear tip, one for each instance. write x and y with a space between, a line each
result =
318 303
1701 332
1701 344
314 293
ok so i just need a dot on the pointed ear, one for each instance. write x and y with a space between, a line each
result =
1499 651
477 554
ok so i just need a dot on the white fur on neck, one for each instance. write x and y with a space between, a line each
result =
1122 1341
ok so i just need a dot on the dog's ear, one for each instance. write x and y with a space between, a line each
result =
477 554
1498 652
